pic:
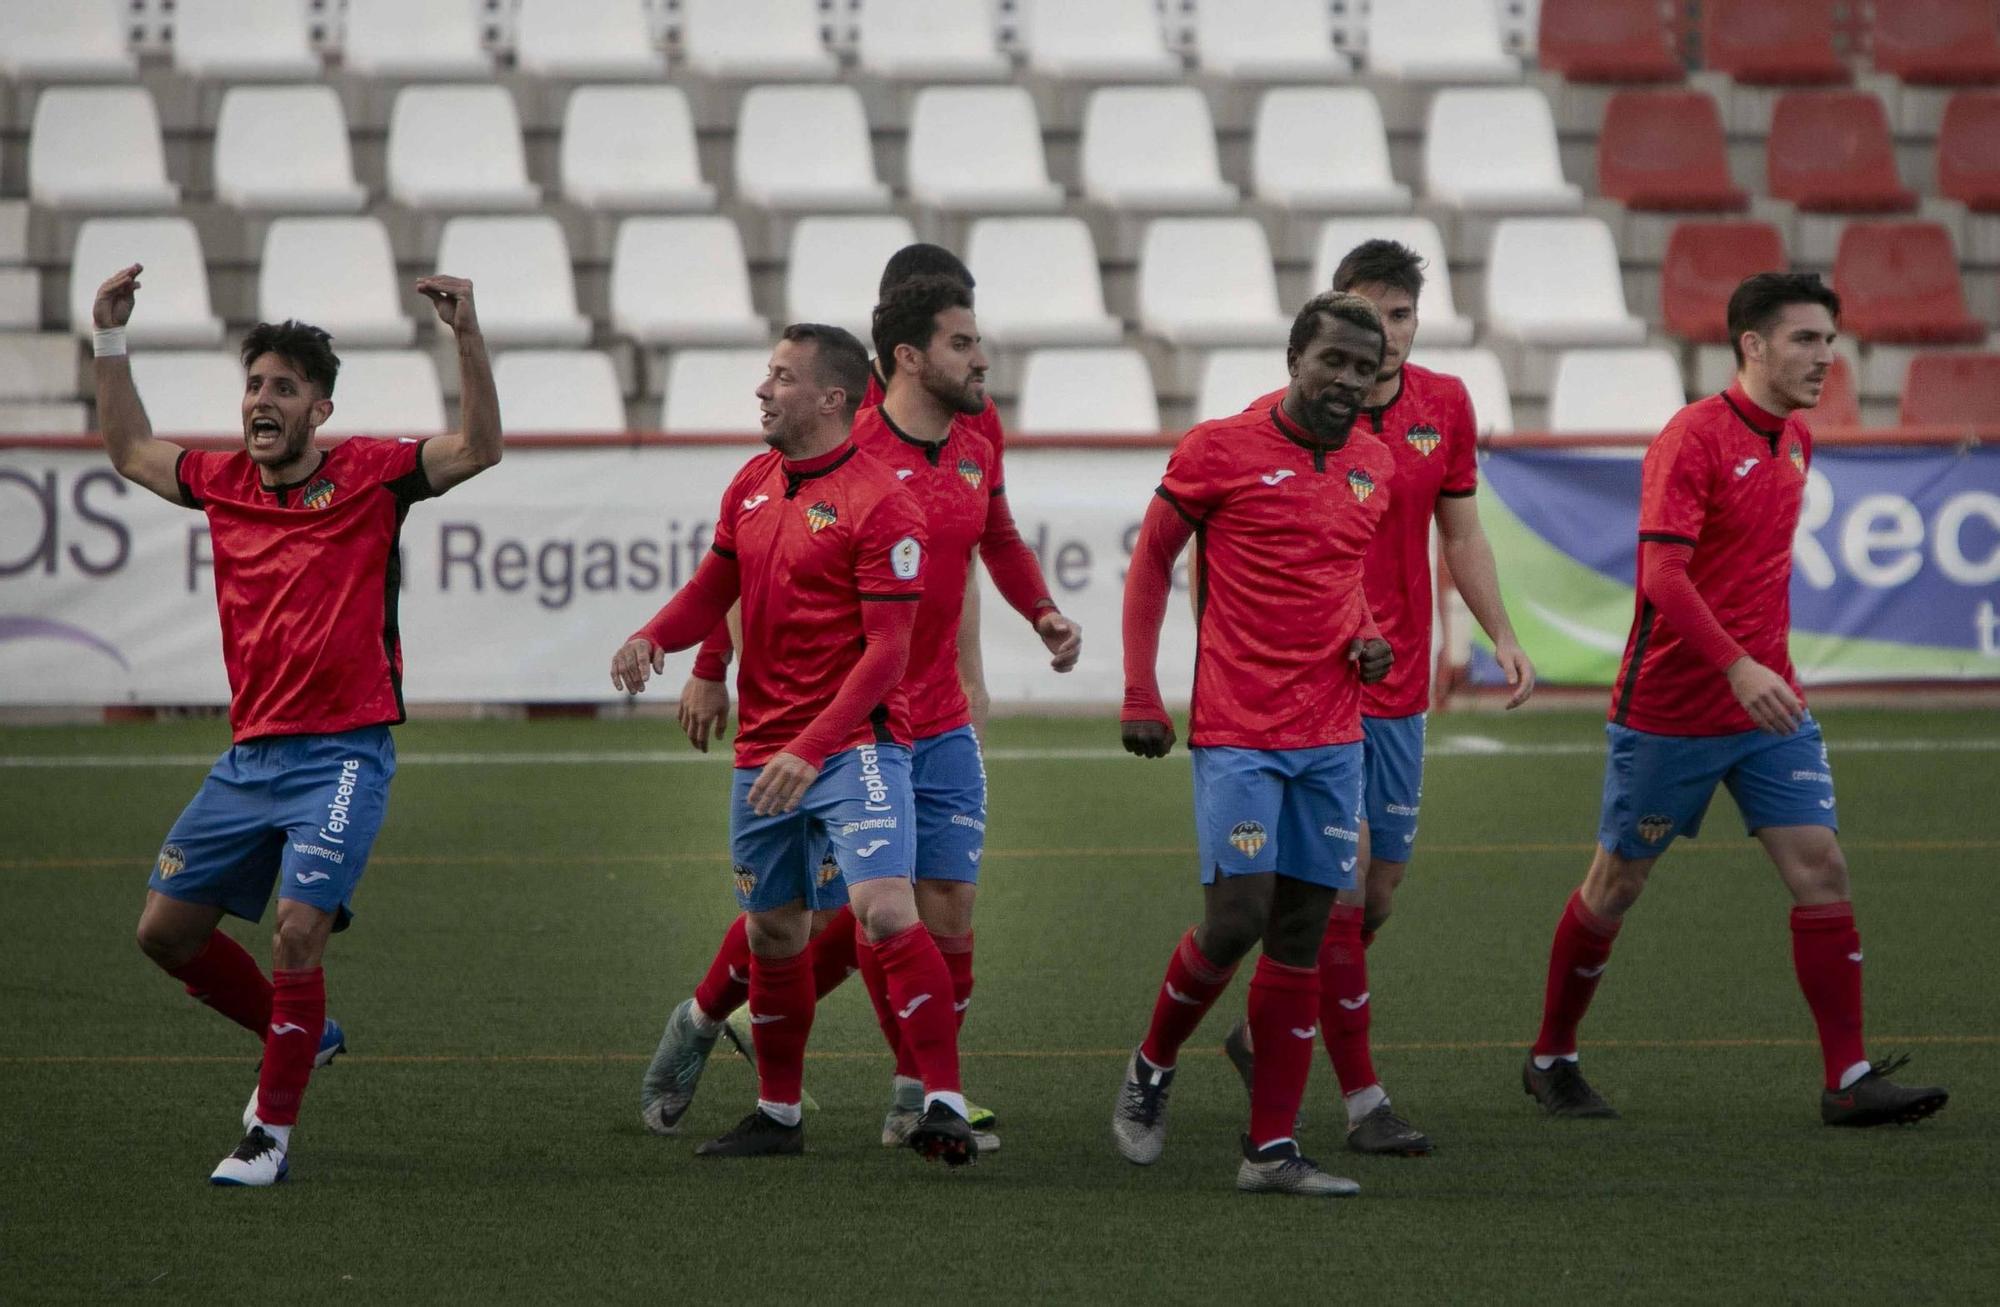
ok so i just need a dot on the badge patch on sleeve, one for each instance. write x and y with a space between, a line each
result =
906 558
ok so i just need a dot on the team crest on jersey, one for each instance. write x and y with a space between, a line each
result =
746 880
1361 484
821 516
171 861
970 472
1799 459
1248 837
829 870
1655 828
318 495
1423 438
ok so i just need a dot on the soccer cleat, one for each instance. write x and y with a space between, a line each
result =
1875 1099
736 1029
667 1089
1384 1134
332 1043
756 1135
1562 1090
1280 1169
942 1135
901 1121
980 1118
1139 1119
258 1161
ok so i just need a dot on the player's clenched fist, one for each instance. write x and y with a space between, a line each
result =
1062 637
1372 657
1147 738
452 298
113 306
634 663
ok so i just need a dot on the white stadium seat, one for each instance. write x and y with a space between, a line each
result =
714 391
1597 391
284 149
978 148
1438 41
1231 378
1324 148
191 392
1485 381
932 40
71 41
520 271
1495 148
1087 392
1038 283
1269 40
1209 281
558 392
1438 320
1555 281
98 147
835 269
386 392
806 147
458 147
586 38
1152 147
173 304
414 38
682 281
244 39
631 147
755 38
1103 40
339 275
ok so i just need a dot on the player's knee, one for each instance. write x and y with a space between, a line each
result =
166 947
295 945
1822 870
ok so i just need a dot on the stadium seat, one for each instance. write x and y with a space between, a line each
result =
1324 148
1105 40
1087 392
1937 42
1267 40
1968 161
1555 281
1485 381
386 392
285 149
1830 152
1039 283
1665 150
1617 41
1005 171
73 41
1495 149
1440 323
1231 378
1704 264
414 38
1605 391
176 307
835 268
520 269
1839 402
1899 284
1209 281
934 40
806 147
1439 41
714 391
1952 390
458 147
338 274
631 147
98 148
755 38
242 40
558 392
1772 42
191 392
586 38
683 281
1152 147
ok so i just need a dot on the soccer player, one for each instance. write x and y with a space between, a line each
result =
306 585
825 549
1285 502
1426 420
1706 695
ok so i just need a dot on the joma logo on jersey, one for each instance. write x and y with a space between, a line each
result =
1423 438
171 861
970 472
1361 484
746 880
1799 459
821 516
1248 837
1655 828
318 495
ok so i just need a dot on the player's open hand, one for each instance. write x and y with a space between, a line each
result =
1520 672
1063 638
452 298
113 306
1147 738
634 664
781 786
703 711
1372 658
1765 696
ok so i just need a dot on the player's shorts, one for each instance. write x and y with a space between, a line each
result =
857 822
303 809
1392 783
1296 812
1657 787
949 777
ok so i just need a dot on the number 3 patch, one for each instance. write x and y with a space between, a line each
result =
905 558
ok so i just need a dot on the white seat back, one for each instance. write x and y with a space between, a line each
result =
714 390
1152 147
1620 391
1495 148
191 392
930 39
1438 318
520 271
284 149
1555 281
1324 148
173 306
1039 283
1007 171
1209 281
1231 378
806 147
414 38
73 40
386 392
98 147
1102 40
586 38
683 281
1088 392
1269 39
559 392
339 275
835 269
243 39
458 147
1438 41
631 147
755 38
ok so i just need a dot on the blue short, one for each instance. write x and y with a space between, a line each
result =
949 777
855 823
301 809
1657 787
1392 783
1296 812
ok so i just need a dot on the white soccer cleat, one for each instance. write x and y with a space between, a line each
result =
258 1162
1280 1169
1139 1119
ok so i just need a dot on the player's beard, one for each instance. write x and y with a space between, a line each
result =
1328 426
295 441
959 397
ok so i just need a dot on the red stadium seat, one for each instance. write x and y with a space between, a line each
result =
1773 42
1664 150
1830 152
1898 284
1839 403
1969 150
1705 261
1938 42
1950 389
1607 41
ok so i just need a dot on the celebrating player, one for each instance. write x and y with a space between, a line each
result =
306 584
1707 695
1284 501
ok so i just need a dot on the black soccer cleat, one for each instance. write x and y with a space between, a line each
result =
942 1135
1382 1133
1562 1090
1875 1099
757 1135
1236 1047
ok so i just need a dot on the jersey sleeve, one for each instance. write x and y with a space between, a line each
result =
1461 442
1191 485
1674 487
192 470
725 514
889 549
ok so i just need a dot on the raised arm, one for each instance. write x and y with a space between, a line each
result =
475 446
121 418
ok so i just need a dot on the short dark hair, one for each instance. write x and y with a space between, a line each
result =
1383 262
840 361
908 315
1333 304
305 347
1757 302
922 260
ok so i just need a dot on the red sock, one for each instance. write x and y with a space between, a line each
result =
781 1017
226 978
1344 1013
1576 961
727 983
832 953
1283 1003
877 986
957 950
1192 985
1826 953
298 1016
920 993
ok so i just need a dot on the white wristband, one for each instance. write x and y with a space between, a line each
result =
108 342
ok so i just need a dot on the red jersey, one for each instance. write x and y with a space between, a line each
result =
306 581
813 541
1727 479
1279 593
986 422
1429 429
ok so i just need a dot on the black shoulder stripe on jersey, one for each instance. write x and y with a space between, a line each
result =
1666 538
999 491
1456 494
890 599
1186 516
730 554
188 496
414 484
